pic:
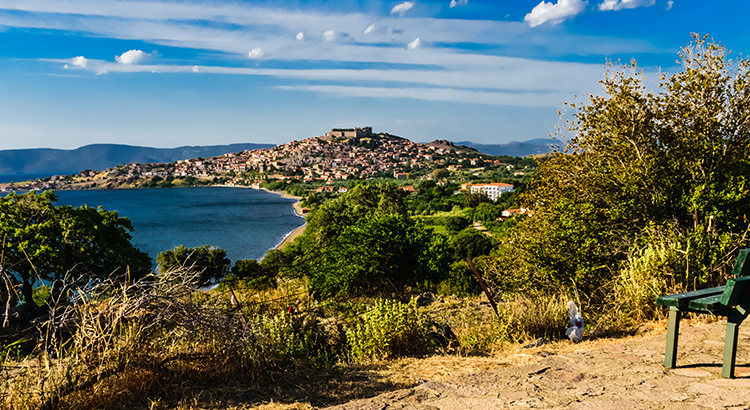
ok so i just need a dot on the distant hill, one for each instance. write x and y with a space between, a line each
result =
47 161
514 148
102 156
445 144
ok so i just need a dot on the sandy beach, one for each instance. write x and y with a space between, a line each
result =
298 210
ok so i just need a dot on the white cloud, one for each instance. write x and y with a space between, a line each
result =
300 36
546 99
402 8
176 24
80 62
471 72
329 35
669 4
370 28
414 44
555 13
608 5
131 57
256 53
455 3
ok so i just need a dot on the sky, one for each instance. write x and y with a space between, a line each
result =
174 73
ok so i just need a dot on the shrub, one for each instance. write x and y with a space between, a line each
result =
210 261
389 328
253 275
460 281
522 319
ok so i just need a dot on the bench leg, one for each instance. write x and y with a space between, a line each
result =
730 347
673 332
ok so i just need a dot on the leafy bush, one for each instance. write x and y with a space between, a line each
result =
455 224
522 319
41 295
389 328
210 261
252 274
460 281
641 157
664 262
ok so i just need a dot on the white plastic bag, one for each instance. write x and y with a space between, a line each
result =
575 331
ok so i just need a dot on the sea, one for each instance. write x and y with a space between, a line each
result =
245 222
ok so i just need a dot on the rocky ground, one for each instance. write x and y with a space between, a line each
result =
627 375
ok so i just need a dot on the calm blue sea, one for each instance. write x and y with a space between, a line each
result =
245 222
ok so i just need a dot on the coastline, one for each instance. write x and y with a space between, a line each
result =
283 194
289 238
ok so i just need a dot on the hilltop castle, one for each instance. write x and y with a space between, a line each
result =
364 132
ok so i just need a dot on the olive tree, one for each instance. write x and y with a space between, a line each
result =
210 261
670 160
41 241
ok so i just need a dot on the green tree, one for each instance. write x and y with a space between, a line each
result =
211 261
473 200
487 212
42 241
253 275
671 161
378 256
364 243
470 243
455 224
440 173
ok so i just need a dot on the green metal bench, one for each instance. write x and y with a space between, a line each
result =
731 300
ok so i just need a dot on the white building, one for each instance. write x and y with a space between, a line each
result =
493 190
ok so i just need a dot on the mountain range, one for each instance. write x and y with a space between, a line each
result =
515 148
51 161
102 156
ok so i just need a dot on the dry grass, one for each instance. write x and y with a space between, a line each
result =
161 345
351 382
147 343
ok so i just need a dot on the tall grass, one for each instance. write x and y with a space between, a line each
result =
121 343
524 318
389 328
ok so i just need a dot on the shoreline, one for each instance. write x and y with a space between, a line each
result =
289 237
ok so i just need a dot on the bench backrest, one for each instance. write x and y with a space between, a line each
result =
742 265
737 292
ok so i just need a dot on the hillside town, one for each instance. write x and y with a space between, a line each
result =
338 155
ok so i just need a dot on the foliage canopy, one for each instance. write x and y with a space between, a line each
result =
42 241
642 164
365 244
210 261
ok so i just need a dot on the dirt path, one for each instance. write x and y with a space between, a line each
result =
628 375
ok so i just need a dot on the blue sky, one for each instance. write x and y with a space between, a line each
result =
172 73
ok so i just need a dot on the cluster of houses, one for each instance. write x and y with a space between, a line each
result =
337 155
340 154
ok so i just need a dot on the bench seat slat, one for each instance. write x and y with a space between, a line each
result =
732 301
709 304
682 300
